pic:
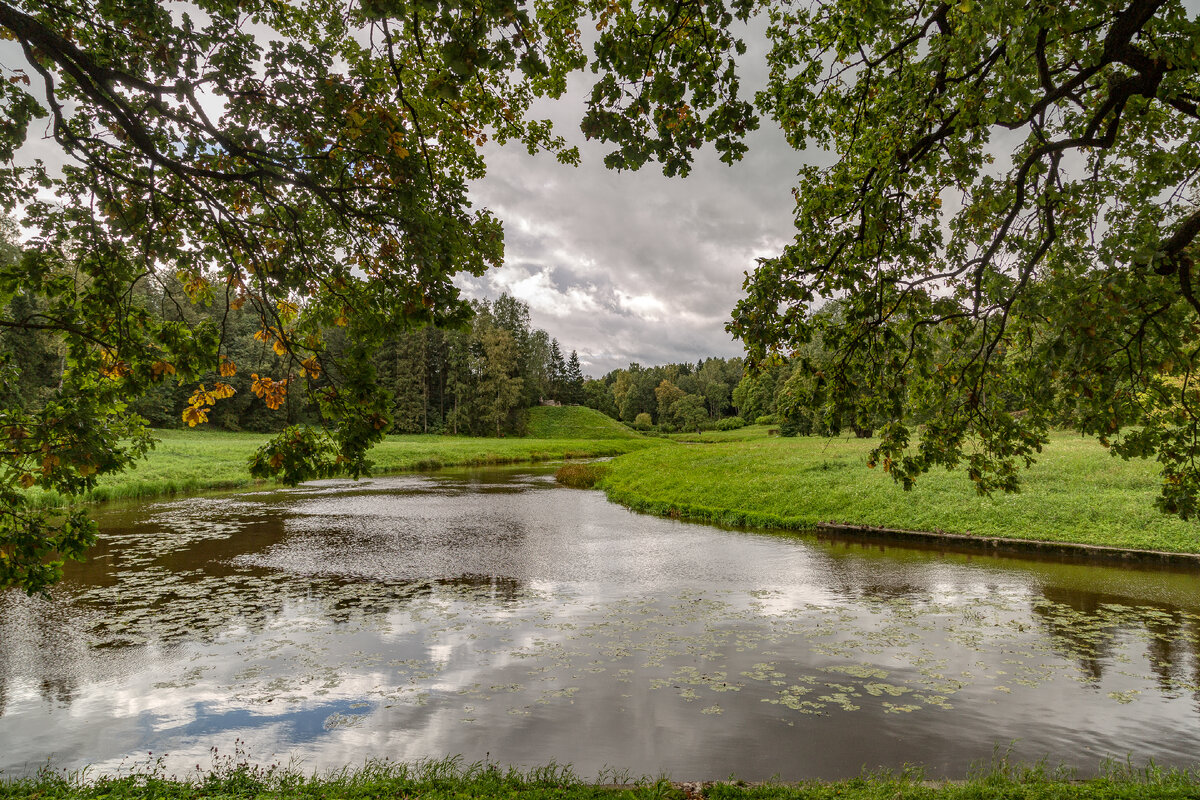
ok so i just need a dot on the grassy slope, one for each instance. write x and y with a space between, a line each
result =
556 422
197 460
1075 493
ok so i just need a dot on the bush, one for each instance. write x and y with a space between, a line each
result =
580 476
766 419
643 422
730 423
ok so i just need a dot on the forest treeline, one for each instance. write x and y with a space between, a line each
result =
475 380
721 394
717 393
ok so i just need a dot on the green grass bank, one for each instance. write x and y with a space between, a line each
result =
1076 493
575 422
188 461
447 780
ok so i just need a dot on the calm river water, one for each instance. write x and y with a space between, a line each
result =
495 614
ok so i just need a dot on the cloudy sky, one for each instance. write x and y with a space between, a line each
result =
633 266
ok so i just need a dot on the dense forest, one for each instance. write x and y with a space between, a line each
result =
475 380
724 394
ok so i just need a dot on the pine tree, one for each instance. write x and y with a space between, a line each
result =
574 394
557 372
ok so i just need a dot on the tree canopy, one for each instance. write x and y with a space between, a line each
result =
1009 224
1008 221
306 161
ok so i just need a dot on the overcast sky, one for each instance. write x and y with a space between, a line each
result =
634 266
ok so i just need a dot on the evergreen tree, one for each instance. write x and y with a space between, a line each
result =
557 371
499 389
574 394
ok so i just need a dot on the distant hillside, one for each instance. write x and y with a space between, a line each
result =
575 422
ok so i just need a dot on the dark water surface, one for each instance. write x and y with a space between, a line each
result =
492 613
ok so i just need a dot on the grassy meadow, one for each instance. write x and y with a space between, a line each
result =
575 422
1076 492
449 780
188 461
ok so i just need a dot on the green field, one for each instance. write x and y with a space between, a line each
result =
199 460
1076 492
575 422
448 780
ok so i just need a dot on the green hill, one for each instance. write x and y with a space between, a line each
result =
575 422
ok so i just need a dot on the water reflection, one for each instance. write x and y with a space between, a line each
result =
495 613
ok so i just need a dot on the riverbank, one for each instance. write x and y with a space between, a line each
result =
446 780
193 461
1076 493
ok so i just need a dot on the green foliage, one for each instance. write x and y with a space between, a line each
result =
730 424
688 412
1008 228
654 390
643 422
981 299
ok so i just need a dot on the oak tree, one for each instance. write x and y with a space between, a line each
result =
1009 222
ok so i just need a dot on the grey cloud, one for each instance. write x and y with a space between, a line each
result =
635 266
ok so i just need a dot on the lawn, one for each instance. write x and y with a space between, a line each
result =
1076 492
186 461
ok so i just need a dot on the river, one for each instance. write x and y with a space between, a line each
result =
494 614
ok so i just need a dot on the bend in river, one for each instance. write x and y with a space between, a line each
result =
491 613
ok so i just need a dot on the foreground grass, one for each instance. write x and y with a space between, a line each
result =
200 460
1076 492
449 780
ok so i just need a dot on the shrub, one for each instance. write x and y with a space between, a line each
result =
730 423
580 476
766 419
643 422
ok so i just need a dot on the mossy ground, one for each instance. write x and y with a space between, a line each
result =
1077 492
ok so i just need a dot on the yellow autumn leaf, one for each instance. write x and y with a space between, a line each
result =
201 397
287 309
